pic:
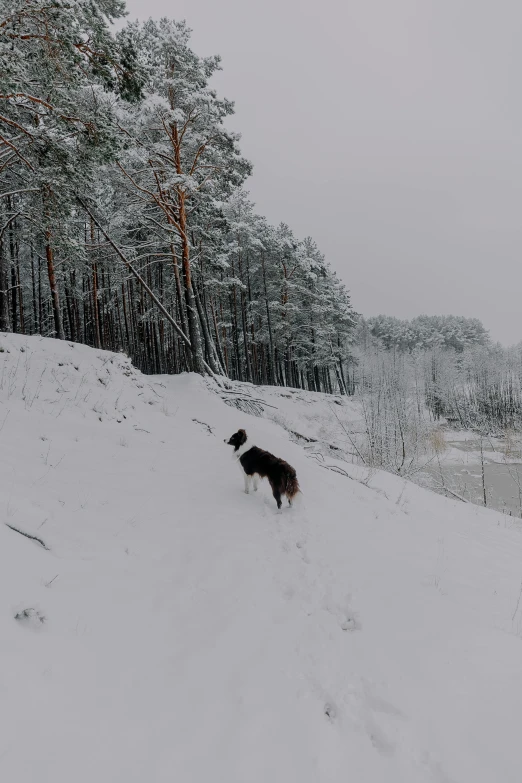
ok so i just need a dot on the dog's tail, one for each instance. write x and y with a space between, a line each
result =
291 483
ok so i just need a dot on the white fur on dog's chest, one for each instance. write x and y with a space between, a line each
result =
237 456
242 450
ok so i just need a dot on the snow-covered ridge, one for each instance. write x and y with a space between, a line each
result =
174 628
59 378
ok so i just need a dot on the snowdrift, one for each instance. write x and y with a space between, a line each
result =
157 624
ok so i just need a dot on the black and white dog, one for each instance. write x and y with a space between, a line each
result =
257 464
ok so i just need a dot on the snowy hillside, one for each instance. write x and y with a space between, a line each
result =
168 627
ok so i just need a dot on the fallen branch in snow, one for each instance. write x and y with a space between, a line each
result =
237 393
304 437
204 424
5 419
336 470
314 440
455 494
361 457
518 602
246 398
28 535
333 468
245 404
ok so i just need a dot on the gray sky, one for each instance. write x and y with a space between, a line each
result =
390 131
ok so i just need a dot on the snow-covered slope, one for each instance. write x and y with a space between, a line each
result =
176 629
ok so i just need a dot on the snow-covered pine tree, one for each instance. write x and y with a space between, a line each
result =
184 155
58 61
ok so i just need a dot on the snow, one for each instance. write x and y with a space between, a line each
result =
178 629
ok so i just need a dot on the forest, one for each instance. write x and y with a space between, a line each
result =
124 219
126 224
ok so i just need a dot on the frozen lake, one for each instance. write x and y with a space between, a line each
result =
503 478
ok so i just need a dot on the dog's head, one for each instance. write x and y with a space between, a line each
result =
237 440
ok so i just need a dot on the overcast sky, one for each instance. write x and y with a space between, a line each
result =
390 131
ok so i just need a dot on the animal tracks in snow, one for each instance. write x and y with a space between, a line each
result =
302 551
312 589
330 614
351 623
330 710
379 739
346 618
30 617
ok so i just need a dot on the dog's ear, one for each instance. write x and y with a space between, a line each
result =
242 437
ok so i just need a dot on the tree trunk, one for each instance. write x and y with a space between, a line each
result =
14 290
40 299
49 255
4 304
95 304
209 344
33 281
271 357
192 316
218 341
51 273
194 333
179 297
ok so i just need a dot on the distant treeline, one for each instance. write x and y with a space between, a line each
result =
424 332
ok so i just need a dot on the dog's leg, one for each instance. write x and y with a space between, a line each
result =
247 483
276 492
277 496
256 482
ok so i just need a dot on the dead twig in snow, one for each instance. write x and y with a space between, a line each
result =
28 535
455 494
518 602
204 424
